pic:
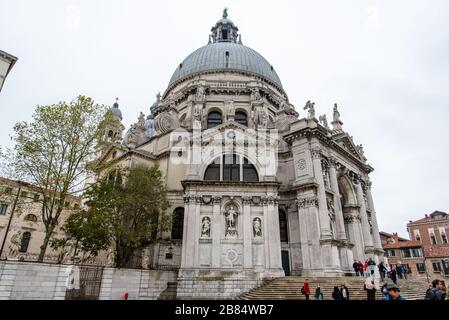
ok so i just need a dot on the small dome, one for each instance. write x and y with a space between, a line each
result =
116 111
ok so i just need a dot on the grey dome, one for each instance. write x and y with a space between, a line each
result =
116 111
212 57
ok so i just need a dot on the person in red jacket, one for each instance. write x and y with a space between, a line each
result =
361 269
305 290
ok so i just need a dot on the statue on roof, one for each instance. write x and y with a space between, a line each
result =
225 13
323 120
311 107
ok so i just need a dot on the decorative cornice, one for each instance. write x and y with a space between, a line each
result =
307 202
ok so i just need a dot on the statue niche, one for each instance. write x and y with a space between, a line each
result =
205 228
231 217
257 228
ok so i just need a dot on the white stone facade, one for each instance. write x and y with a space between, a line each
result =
235 155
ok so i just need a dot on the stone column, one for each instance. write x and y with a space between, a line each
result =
352 219
247 234
266 234
367 239
197 228
325 232
188 238
376 235
216 232
273 233
341 234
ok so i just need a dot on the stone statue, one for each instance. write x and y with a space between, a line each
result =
197 112
323 120
336 114
14 245
230 108
260 117
145 260
257 228
200 94
205 229
111 257
225 13
360 149
231 222
141 121
331 213
255 95
311 107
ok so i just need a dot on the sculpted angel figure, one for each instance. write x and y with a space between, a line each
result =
323 120
311 107
205 230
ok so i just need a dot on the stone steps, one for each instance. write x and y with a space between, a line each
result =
289 288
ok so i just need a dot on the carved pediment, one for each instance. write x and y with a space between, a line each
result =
348 144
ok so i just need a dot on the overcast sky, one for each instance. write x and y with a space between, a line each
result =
386 63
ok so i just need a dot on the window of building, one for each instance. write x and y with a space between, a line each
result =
30 217
213 119
8 190
224 35
177 224
283 226
249 171
433 239
3 208
213 170
114 154
36 197
416 252
406 253
26 236
436 267
241 118
110 133
421 267
391 253
444 238
24 194
232 169
76 206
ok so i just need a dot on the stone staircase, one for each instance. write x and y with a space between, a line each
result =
289 288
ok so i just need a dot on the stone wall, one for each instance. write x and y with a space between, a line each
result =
41 281
216 284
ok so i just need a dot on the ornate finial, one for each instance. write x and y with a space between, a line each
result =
225 13
116 100
158 96
337 123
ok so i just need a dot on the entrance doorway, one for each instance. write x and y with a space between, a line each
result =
285 262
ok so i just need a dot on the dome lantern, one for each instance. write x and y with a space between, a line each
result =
224 30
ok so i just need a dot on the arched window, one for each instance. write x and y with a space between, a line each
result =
241 118
283 230
25 242
231 167
177 224
30 217
213 119
213 170
249 171
110 133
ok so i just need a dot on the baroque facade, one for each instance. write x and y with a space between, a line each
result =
256 189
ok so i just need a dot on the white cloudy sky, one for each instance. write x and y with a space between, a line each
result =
385 62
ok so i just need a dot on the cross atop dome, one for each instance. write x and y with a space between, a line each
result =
225 30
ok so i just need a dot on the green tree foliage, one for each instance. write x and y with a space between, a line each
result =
52 151
125 210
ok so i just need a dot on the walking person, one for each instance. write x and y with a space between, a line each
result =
382 270
305 290
371 265
370 288
344 292
431 293
393 276
367 273
318 294
355 266
361 269
399 271
336 294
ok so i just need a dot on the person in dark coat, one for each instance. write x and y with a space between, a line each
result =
344 292
318 294
355 266
336 295
393 276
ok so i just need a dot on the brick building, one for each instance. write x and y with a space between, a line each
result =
26 231
432 232
405 252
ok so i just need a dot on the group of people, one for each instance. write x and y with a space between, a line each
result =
365 269
437 291
341 293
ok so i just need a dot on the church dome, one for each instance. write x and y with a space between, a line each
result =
225 52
